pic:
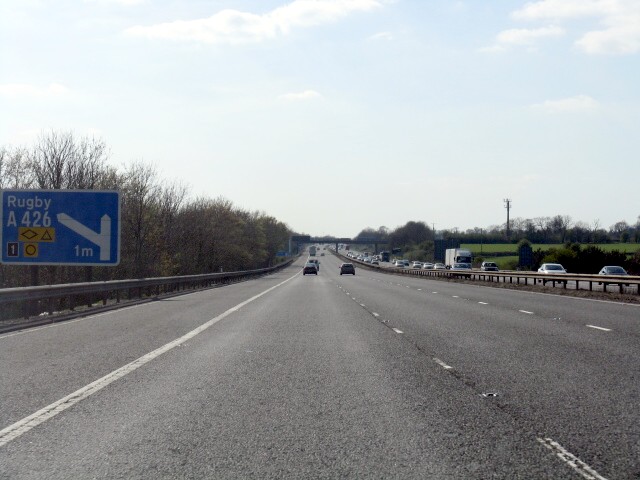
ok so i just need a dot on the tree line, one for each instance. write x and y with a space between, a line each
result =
164 232
415 241
559 229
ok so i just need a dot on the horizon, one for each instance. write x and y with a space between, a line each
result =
330 113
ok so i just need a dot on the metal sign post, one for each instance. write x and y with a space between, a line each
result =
60 227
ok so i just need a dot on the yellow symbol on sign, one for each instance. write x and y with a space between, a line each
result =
37 234
31 250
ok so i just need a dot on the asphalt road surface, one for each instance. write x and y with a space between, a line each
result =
365 376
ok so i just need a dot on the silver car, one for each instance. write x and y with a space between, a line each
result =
552 268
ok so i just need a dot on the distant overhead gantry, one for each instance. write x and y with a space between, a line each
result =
308 239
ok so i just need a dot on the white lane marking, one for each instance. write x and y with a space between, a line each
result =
599 328
483 303
362 305
23 426
397 330
574 462
434 292
375 314
419 289
526 311
442 364
455 296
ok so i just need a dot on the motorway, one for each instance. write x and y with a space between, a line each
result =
366 376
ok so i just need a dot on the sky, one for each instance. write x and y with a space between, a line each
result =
338 115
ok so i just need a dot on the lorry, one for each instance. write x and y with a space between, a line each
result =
312 251
457 255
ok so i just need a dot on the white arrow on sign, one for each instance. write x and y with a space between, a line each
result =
102 239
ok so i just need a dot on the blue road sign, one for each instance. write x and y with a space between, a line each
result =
60 227
281 253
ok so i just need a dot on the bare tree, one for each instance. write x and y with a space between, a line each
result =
140 217
14 172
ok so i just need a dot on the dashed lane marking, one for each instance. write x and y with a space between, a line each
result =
397 330
442 364
571 460
526 311
599 328
483 303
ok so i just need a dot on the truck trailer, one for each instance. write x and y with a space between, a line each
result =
457 255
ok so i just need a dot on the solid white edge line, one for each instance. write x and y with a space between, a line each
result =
599 328
483 303
574 462
526 311
397 330
22 426
375 314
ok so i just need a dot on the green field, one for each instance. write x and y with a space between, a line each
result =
488 249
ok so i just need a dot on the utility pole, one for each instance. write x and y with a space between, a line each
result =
507 205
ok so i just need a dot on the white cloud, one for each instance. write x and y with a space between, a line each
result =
236 27
621 37
528 37
296 97
126 3
382 36
523 36
577 104
560 9
14 90
620 20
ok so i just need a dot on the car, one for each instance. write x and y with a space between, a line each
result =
347 268
406 263
316 262
322 254
612 270
461 266
309 268
375 262
439 266
552 269
489 267
399 264
416 265
427 266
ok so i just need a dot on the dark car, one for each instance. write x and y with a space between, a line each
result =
347 268
613 270
489 267
310 268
